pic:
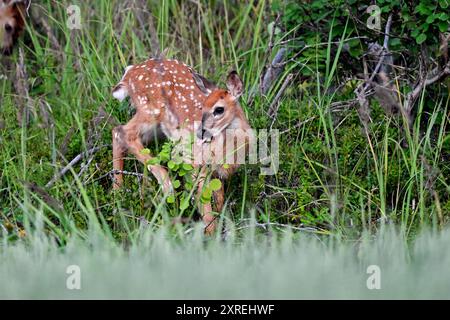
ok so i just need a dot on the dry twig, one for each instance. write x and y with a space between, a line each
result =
273 108
73 163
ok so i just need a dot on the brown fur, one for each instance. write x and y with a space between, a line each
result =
12 24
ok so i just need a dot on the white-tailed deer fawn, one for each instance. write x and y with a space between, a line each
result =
12 23
170 98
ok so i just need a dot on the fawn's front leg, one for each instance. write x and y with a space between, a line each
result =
126 139
205 208
219 197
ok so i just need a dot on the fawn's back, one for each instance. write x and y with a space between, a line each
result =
165 91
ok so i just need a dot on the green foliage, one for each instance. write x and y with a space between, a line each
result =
178 170
414 23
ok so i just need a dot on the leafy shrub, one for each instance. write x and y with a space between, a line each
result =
415 23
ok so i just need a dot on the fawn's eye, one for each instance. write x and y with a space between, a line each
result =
8 28
218 111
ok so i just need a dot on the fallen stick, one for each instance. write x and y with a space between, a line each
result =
127 173
274 71
72 163
273 108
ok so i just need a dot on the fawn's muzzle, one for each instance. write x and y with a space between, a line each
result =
204 134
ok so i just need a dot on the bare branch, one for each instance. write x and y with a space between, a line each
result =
273 109
72 163
273 71
361 90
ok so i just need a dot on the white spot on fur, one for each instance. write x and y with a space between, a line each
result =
121 93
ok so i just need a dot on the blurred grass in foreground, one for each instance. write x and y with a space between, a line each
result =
290 266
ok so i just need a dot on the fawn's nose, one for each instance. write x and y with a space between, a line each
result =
204 134
201 130
200 133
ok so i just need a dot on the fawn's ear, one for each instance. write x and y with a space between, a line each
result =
203 84
234 84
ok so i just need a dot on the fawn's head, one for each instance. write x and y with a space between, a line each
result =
12 13
221 108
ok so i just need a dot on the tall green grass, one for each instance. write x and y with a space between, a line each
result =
284 266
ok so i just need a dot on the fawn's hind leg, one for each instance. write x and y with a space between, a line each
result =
127 138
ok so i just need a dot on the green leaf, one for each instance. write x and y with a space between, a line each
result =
177 160
176 184
444 3
204 201
171 164
188 185
206 195
187 167
425 27
164 156
354 43
170 199
184 204
443 26
431 19
424 9
215 184
152 161
421 38
443 16
145 151
415 32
